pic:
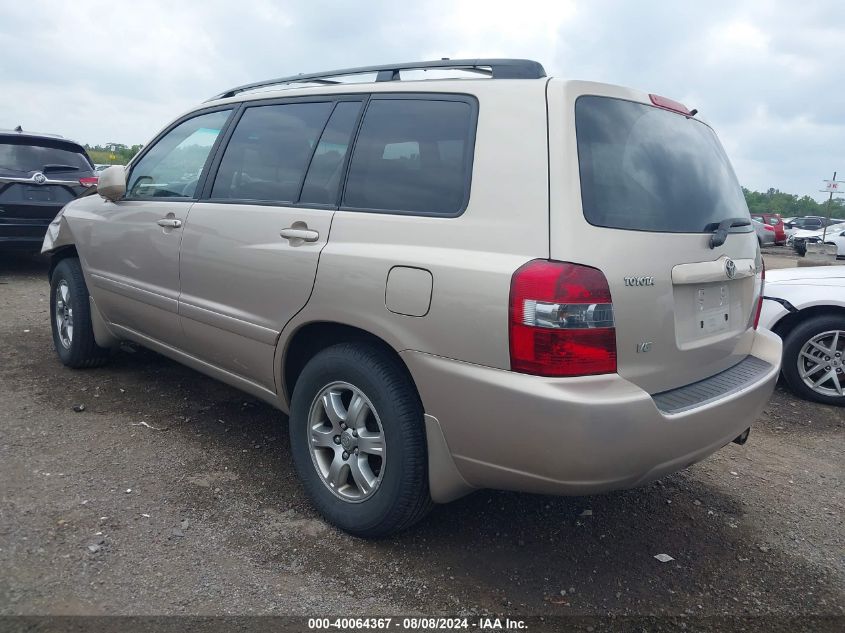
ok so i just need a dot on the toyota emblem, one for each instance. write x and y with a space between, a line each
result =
730 268
39 178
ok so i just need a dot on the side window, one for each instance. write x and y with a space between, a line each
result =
269 152
325 172
411 155
172 167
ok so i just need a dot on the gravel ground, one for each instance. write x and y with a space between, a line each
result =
171 493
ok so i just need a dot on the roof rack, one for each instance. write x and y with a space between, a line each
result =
493 68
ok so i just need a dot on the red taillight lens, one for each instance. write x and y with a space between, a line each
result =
561 320
670 104
760 299
88 182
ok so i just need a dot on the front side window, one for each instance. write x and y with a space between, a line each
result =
411 155
173 166
269 152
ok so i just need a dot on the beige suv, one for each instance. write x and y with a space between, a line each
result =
500 280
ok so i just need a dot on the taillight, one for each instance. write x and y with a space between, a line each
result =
88 182
561 320
760 299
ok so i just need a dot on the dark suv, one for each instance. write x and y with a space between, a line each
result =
39 174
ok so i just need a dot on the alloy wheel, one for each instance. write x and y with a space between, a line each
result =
346 441
821 363
64 314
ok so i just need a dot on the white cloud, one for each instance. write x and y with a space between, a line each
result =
766 74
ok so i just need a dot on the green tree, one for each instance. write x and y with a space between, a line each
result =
112 153
790 205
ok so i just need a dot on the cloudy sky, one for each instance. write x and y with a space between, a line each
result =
769 76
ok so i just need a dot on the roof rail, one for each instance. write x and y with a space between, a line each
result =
493 68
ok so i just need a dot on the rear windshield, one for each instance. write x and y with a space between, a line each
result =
26 157
649 169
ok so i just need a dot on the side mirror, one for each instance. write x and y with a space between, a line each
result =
112 183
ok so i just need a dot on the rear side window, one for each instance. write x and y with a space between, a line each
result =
649 169
412 155
269 152
26 155
326 169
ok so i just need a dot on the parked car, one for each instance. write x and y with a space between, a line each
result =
806 308
765 233
832 234
389 263
773 220
808 223
39 174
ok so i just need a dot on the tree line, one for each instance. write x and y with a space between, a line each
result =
112 153
789 205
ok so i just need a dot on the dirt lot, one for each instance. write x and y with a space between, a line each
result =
173 494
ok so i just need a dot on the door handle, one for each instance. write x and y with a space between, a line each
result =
306 235
170 223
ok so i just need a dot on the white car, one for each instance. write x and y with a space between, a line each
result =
806 308
835 234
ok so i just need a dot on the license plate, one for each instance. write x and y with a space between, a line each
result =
712 309
39 195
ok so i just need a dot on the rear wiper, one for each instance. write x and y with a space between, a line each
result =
721 233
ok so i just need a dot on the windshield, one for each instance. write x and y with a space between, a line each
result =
28 157
649 169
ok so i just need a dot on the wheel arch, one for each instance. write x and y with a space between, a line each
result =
445 481
310 338
790 321
58 254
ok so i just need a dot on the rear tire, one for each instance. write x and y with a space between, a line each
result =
70 317
377 491
818 330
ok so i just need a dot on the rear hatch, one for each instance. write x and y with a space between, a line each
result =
650 187
38 176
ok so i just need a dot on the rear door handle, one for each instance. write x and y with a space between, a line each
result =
170 223
306 235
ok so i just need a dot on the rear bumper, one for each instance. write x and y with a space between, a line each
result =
26 231
578 435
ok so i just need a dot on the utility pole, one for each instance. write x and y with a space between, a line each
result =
833 186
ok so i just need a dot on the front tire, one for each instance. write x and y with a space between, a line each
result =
358 440
70 317
814 359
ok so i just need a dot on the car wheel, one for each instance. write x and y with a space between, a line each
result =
814 359
358 440
70 317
